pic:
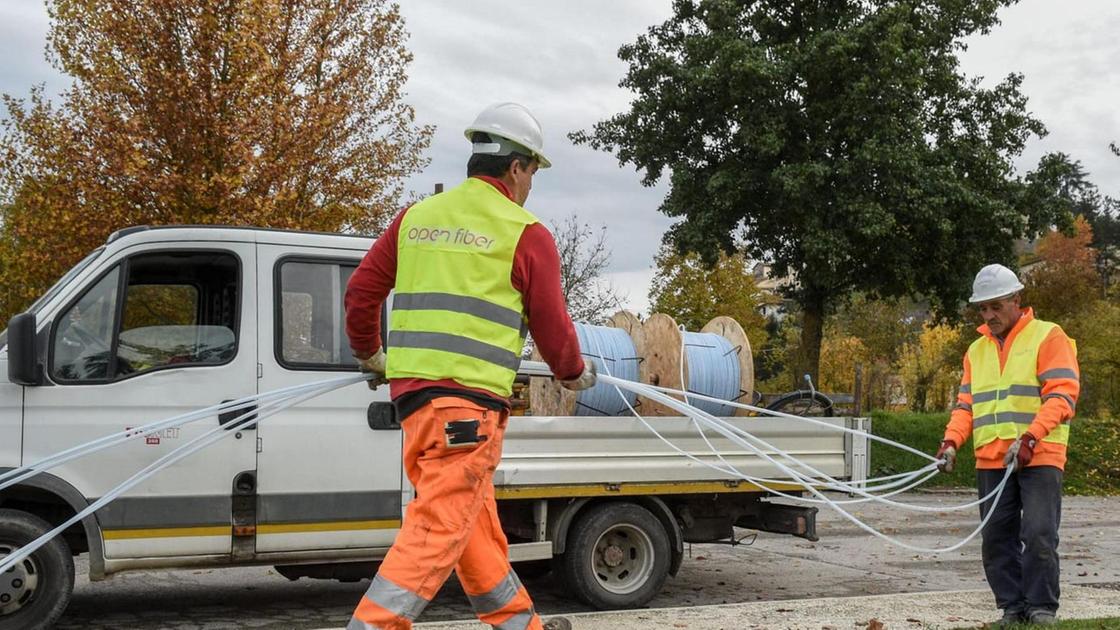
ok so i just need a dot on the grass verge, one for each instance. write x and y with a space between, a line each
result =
1094 453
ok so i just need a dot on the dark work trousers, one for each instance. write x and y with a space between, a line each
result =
1020 548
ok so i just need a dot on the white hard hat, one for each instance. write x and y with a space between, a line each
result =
994 282
512 122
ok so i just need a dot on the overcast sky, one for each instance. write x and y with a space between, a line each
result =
559 59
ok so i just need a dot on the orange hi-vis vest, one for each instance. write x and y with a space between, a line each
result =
1005 389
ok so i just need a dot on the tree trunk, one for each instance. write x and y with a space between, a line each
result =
812 331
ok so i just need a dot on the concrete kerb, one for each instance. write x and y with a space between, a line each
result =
945 609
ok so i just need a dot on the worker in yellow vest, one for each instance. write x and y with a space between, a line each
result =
1017 397
473 271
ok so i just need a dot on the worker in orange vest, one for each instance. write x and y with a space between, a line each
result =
472 272
1017 397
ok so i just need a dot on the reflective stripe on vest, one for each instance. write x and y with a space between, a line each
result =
1004 403
455 312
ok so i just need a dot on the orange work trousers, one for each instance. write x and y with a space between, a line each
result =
451 448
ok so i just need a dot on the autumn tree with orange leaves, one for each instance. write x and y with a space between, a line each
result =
1064 281
272 113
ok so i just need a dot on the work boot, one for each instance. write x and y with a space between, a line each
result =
1010 619
558 623
1043 618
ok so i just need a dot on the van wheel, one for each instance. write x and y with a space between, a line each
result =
617 556
35 592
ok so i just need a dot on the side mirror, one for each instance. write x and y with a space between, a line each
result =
23 351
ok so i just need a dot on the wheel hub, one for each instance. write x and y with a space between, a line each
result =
613 556
17 584
623 559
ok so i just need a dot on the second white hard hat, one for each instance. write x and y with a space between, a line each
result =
512 122
994 282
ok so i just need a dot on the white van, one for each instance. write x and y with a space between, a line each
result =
160 321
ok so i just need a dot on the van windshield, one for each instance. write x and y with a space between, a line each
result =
46 297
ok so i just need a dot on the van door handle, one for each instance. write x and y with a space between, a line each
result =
382 416
230 416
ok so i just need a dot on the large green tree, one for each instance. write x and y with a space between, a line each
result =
838 140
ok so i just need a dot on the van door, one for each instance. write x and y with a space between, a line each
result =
158 332
327 480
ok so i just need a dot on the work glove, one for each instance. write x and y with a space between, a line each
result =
946 456
1021 452
585 380
374 364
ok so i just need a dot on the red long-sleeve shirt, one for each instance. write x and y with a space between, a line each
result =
535 274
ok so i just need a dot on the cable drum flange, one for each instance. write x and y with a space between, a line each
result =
663 361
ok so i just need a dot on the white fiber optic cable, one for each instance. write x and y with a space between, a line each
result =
202 441
17 475
807 482
681 407
834 484
905 480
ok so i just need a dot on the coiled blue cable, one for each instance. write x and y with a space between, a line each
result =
618 350
713 370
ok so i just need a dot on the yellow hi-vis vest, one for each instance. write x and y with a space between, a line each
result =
456 314
1005 403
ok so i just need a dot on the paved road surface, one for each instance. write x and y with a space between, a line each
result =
845 562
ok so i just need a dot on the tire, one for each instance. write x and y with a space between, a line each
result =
617 556
37 590
803 403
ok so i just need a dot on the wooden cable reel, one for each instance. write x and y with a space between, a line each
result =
662 364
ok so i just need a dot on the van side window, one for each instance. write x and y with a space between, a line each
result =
83 336
311 322
175 309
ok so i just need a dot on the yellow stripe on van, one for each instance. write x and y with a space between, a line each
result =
166 532
226 530
631 489
300 528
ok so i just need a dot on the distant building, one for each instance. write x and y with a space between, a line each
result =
779 306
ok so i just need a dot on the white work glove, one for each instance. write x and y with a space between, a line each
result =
375 365
946 456
585 380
